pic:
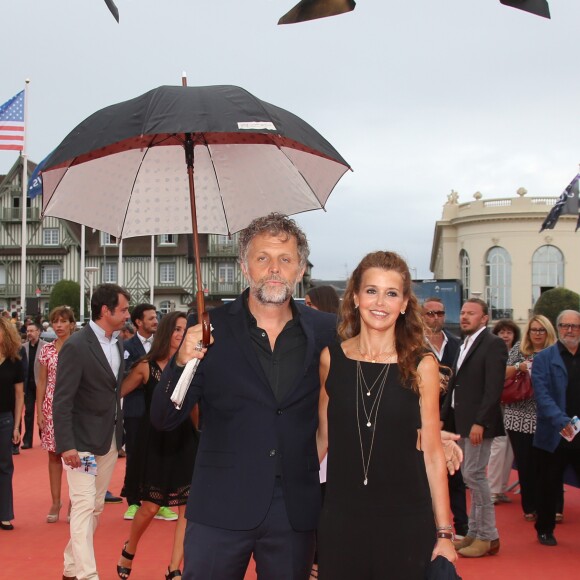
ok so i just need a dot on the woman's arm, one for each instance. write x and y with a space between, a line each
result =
322 433
18 406
433 455
138 376
40 394
516 362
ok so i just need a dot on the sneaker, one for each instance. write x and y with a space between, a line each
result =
131 511
166 514
110 498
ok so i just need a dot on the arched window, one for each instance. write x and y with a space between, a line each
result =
498 283
465 273
547 270
165 307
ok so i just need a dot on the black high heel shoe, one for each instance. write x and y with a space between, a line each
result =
172 574
122 571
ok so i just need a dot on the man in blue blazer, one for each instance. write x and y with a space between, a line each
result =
556 380
255 488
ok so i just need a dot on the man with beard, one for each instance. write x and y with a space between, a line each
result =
472 409
556 380
255 488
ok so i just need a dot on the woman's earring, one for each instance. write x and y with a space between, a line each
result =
402 312
355 306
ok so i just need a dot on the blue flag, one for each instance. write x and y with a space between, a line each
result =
35 182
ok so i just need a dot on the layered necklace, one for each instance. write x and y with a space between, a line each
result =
386 355
370 410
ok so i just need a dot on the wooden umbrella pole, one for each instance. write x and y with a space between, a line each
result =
202 315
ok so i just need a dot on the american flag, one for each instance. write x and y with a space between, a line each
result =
12 123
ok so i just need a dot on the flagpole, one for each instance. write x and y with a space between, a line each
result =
23 208
82 276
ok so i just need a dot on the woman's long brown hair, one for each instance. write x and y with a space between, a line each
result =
409 336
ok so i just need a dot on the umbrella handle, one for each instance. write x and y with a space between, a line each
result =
206 328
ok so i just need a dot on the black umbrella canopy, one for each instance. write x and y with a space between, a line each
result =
537 7
136 168
163 115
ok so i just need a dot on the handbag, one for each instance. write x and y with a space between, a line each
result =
518 388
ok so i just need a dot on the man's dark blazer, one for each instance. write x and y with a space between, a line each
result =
478 385
134 402
245 430
451 349
35 370
86 407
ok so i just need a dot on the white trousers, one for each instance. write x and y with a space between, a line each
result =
87 495
500 464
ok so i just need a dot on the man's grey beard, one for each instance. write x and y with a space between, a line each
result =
271 295
570 342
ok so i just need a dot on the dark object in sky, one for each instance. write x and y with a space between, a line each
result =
312 9
538 7
114 10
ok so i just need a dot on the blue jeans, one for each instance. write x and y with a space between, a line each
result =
6 467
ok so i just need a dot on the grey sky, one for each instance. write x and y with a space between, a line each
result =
420 97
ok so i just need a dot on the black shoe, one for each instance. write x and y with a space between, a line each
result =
110 498
15 450
6 526
26 446
547 539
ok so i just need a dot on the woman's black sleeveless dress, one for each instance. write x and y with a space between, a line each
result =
384 530
163 460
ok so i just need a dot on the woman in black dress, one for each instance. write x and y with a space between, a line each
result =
11 404
386 512
161 472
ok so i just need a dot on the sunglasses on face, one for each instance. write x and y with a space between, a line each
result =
564 326
538 330
433 313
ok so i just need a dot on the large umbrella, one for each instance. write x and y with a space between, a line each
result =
188 160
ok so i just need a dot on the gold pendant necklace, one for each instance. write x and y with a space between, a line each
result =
372 415
387 354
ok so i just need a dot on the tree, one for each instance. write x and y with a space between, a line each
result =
552 302
66 293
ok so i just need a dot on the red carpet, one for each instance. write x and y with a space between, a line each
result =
34 548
